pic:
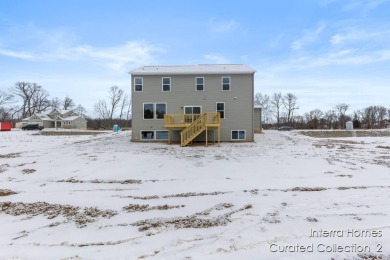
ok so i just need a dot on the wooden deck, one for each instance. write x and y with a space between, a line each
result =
191 125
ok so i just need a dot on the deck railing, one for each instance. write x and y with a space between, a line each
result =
180 119
192 124
187 119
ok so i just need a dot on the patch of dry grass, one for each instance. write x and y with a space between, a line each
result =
146 207
69 133
194 194
80 216
28 171
343 133
196 220
307 189
3 167
128 181
7 192
383 147
10 155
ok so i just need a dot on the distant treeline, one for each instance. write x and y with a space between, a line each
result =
279 110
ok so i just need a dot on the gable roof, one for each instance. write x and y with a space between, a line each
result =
194 69
71 118
61 111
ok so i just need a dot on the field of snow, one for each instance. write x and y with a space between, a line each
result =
284 196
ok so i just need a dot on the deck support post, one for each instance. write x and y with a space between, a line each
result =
219 136
206 135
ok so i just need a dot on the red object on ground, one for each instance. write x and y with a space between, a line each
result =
5 126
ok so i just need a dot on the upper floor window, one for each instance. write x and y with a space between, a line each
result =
225 83
166 84
199 82
138 84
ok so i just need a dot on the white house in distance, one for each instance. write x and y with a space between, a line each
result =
57 118
193 103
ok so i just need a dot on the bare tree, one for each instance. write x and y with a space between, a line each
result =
277 103
341 108
371 115
68 103
124 104
264 102
101 109
128 112
313 118
330 117
34 97
388 113
55 103
5 98
374 115
41 101
114 96
289 103
381 114
80 110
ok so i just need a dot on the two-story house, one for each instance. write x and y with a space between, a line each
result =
193 103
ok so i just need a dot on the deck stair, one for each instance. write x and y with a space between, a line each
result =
193 130
192 125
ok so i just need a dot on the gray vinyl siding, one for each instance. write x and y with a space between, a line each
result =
37 121
238 112
257 120
48 124
78 123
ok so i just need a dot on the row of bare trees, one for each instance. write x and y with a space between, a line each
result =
117 105
278 106
25 99
281 109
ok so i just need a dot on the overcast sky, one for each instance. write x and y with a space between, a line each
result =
324 51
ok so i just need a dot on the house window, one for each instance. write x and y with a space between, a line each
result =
138 82
191 113
161 110
192 110
148 110
161 135
221 109
199 82
238 134
147 135
166 84
225 83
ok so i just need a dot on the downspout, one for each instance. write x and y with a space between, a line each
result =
253 107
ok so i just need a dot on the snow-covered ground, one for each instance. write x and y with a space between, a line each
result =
104 197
